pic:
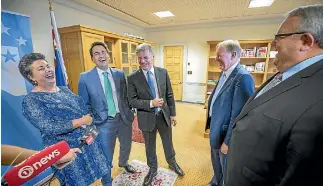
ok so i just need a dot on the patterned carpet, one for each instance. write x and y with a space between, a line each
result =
164 177
192 149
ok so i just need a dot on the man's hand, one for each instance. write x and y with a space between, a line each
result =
68 158
173 120
224 148
158 102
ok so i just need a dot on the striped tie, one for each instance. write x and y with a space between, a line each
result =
275 81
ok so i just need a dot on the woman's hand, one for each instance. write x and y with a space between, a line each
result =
68 158
87 119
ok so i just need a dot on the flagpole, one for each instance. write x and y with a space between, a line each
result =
57 41
51 10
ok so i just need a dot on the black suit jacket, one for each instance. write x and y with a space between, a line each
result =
278 137
139 97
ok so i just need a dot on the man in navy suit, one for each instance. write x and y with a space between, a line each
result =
233 89
105 93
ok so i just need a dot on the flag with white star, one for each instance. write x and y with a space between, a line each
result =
15 43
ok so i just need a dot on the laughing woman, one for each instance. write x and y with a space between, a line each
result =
59 115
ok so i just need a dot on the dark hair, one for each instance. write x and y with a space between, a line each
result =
25 65
98 43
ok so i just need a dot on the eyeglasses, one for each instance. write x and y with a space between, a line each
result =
278 36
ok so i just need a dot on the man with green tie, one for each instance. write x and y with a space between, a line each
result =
104 91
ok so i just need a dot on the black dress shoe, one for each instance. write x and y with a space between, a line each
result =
149 177
129 168
175 167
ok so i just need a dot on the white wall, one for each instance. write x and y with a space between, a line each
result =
38 10
197 50
194 40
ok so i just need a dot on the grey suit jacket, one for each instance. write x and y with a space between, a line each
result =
139 97
277 138
90 89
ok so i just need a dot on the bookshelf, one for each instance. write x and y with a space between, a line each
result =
254 52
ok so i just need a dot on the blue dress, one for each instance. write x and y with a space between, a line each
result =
52 113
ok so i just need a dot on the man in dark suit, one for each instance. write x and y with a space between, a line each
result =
150 92
104 91
277 138
233 89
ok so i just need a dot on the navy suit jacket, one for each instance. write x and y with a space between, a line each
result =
90 89
233 95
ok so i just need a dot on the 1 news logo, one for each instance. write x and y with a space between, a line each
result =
27 171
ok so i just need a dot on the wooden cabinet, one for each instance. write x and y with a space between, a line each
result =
76 42
87 40
254 52
110 42
127 56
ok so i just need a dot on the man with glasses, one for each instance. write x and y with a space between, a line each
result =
277 138
104 91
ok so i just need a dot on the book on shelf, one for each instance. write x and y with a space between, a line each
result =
255 52
258 67
212 81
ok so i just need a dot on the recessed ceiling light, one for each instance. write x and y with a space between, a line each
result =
260 3
164 14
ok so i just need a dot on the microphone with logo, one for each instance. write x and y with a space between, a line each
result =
91 133
36 164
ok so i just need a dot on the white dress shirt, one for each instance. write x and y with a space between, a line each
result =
227 74
114 90
152 70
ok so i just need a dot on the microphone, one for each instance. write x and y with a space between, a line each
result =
89 136
36 164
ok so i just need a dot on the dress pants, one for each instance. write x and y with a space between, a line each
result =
165 133
115 127
218 162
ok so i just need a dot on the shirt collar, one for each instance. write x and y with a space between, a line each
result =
100 72
229 71
300 66
152 70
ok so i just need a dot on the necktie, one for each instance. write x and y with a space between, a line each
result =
275 81
217 90
109 96
151 85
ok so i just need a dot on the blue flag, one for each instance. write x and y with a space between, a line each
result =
16 130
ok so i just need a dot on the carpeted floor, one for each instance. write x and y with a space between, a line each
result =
192 149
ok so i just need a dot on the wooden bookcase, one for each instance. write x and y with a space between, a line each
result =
76 41
213 70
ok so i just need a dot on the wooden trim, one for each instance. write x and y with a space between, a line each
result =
82 28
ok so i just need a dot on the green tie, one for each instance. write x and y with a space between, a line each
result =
109 96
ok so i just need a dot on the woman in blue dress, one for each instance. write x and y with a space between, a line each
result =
61 115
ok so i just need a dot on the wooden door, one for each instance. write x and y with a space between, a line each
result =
87 40
173 62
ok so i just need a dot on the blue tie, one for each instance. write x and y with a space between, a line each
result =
151 86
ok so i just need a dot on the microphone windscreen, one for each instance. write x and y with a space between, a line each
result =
35 164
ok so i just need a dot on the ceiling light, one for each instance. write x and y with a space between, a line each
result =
164 14
260 3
